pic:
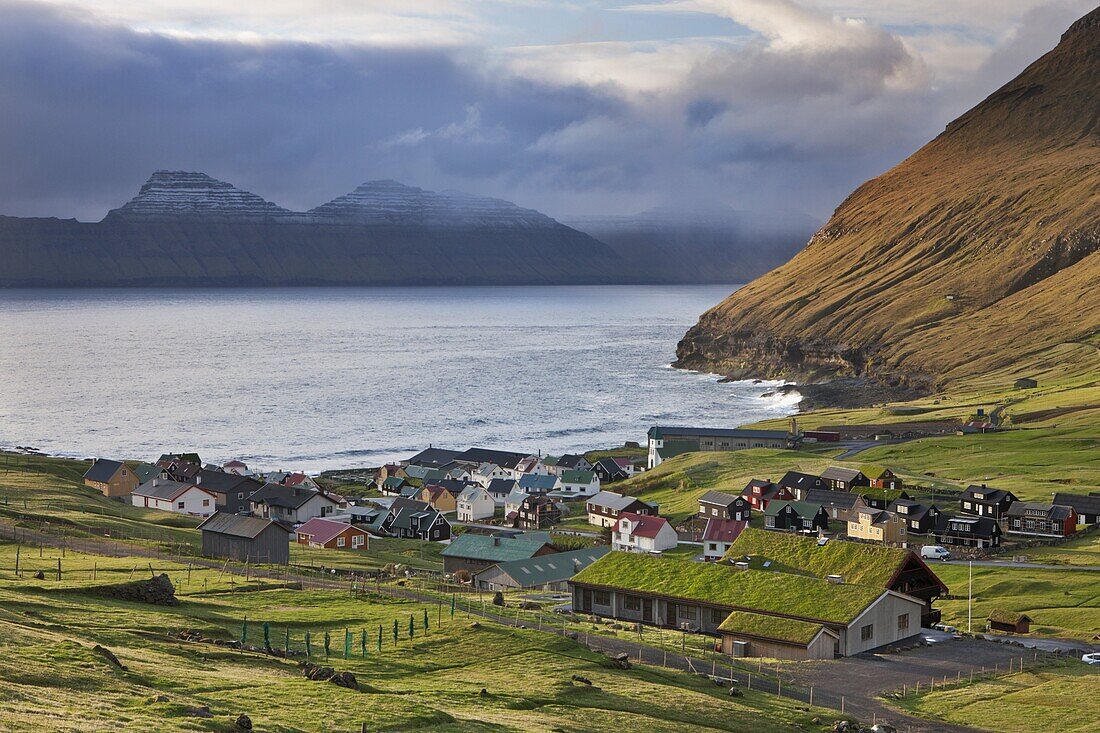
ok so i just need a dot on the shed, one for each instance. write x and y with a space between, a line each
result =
1009 621
1025 383
245 539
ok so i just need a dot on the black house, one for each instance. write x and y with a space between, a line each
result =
608 470
796 516
919 518
844 479
984 501
1087 506
967 531
231 491
801 484
720 505
416 520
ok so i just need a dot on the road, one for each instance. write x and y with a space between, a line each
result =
1023 565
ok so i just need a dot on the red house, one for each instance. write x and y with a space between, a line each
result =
331 535
760 493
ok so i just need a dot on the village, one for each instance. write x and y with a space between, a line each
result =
801 566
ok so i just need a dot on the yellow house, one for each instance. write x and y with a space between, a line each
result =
439 498
112 478
876 525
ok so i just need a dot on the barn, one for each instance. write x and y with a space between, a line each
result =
245 539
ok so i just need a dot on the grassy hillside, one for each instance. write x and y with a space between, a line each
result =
52 680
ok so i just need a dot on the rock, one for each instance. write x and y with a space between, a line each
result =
203 711
883 727
622 661
815 720
582 680
243 722
483 693
498 599
529 606
345 679
109 656
841 726
157 591
316 672
160 698
475 625
39 575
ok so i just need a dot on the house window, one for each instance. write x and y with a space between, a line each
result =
240 495
713 546
632 603
688 612
769 522
717 615
206 502
903 622
180 505
340 541
601 598
866 633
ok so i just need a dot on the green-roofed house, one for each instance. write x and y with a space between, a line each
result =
778 614
579 483
888 568
475 552
796 516
549 572
880 477
393 485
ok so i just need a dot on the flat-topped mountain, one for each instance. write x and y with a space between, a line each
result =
701 245
982 247
169 194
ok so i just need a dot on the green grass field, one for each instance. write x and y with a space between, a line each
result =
1061 698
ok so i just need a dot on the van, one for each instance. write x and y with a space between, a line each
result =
935 552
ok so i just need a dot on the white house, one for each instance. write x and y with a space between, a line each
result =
174 496
291 504
475 503
580 483
531 464
513 501
641 533
486 473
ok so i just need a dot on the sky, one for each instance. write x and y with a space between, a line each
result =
574 108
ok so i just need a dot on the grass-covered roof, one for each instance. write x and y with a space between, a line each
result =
1002 616
863 564
770 627
724 585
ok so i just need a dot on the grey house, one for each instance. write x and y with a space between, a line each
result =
245 539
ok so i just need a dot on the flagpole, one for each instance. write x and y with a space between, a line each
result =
969 598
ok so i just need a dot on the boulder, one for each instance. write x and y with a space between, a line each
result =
39 575
203 711
883 727
109 656
157 591
622 661
345 679
582 680
243 722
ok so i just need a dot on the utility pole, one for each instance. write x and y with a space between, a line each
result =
969 598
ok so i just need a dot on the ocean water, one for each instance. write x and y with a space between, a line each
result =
317 378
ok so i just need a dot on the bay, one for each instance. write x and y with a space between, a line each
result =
319 378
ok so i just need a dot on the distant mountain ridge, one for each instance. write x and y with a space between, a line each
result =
980 248
187 228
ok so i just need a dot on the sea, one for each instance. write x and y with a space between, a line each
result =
327 378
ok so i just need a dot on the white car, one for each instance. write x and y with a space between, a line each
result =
1091 658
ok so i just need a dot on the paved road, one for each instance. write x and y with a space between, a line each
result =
1024 565
1047 645
857 448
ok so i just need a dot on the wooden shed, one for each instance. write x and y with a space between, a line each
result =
1009 622
245 539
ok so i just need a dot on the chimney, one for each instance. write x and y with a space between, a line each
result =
741 565
496 541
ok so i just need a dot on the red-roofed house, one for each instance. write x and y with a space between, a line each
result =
641 533
301 481
719 535
331 535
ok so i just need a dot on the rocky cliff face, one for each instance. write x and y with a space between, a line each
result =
982 247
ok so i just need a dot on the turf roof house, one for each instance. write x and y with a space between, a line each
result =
879 498
796 516
720 505
715 439
880 477
755 612
551 572
331 535
605 507
983 501
111 478
290 504
175 496
887 568
245 539
719 536
761 493
1086 506
967 531
475 552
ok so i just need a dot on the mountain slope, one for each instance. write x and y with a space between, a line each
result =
701 246
982 246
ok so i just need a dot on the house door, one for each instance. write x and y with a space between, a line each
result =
670 615
647 610
586 601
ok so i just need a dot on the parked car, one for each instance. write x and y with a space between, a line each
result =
1091 658
935 552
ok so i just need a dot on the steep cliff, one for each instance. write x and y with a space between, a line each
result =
980 248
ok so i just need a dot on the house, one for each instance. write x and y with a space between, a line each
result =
844 479
475 503
608 470
289 504
605 507
878 525
1087 506
796 516
1041 520
720 505
192 458
111 478
174 496
507 460
487 472
760 493
919 518
432 457
1009 622
233 491
643 533
331 535
392 486
716 439
579 483
415 520
880 476
414 472
475 552
148 471
537 511
536 483
439 497
984 501
1025 383
239 468
574 462
300 480
841 506
531 464
245 539
719 536
801 484
879 566
879 498
500 488
754 612
967 531
551 572
178 468
512 503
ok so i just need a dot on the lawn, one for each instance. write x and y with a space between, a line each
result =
53 680
1062 603
1061 698
1083 550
